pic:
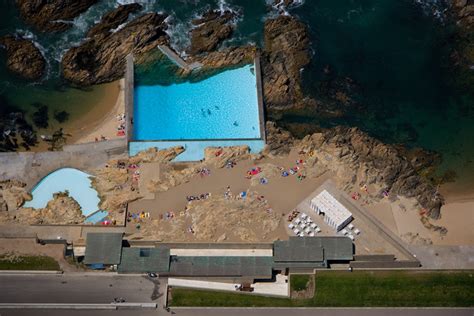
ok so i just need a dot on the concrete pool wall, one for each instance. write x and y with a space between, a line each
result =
195 147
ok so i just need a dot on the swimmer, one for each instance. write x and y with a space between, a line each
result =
235 123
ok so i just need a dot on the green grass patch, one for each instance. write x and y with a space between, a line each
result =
351 289
14 262
299 282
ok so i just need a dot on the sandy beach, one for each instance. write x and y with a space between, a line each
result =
402 217
104 120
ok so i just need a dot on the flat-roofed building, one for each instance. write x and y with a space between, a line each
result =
103 248
307 253
335 214
140 260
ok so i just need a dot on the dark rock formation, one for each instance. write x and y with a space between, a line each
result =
52 15
356 158
279 141
210 31
113 19
23 57
286 52
101 58
462 14
228 57
464 9
373 162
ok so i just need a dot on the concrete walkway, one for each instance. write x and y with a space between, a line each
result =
171 54
277 288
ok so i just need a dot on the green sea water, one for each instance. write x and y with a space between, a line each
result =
394 52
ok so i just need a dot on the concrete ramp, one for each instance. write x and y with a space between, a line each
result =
171 54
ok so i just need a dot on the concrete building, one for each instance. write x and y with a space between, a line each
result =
335 214
219 260
103 249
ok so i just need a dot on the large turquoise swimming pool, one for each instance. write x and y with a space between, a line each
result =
224 106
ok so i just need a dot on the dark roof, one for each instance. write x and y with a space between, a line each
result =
312 249
298 249
337 248
221 266
145 260
105 248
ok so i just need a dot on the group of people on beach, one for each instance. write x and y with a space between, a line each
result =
202 196
121 126
138 217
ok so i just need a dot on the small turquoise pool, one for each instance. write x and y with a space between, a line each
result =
78 184
224 106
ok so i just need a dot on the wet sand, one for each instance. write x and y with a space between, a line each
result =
101 103
102 119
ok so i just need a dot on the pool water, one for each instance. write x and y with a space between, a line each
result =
224 106
76 182
97 217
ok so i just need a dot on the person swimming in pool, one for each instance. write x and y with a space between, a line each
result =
235 123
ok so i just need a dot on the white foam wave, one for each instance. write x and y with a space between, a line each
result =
178 32
435 8
147 5
281 8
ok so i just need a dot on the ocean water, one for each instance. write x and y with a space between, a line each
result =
395 52
223 106
76 182
397 56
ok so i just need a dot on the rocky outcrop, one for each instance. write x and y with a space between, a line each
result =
210 30
279 141
462 44
101 58
23 57
62 209
228 57
358 159
286 52
219 156
13 194
115 182
464 9
52 15
225 222
113 19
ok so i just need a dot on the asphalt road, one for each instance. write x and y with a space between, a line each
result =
251 312
74 288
